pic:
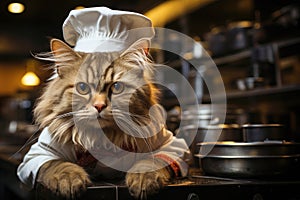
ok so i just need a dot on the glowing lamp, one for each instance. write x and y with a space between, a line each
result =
30 79
16 8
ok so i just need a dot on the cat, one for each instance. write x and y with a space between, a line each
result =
94 93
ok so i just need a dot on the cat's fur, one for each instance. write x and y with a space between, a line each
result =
60 103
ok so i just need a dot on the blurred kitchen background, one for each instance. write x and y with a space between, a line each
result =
255 45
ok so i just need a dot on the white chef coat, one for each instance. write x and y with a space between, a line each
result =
46 149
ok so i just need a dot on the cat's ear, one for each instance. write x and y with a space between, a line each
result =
64 56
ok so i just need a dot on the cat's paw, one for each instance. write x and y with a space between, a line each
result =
63 178
141 185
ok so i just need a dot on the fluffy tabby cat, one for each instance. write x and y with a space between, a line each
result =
84 89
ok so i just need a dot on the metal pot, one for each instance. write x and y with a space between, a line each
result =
208 114
201 115
199 120
239 35
282 24
256 159
234 37
216 40
262 166
262 132
194 134
287 16
270 148
212 133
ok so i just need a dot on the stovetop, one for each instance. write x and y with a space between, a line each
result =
196 186
194 180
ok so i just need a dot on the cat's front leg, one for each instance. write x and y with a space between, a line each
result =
63 178
147 178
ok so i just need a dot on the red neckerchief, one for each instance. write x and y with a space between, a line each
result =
88 162
85 159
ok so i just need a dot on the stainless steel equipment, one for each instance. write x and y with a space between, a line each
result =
250 159
262 132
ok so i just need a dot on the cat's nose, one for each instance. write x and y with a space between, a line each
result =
99 106
99 102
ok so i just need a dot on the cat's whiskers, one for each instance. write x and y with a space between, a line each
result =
128 114
124 120
79 113
70 114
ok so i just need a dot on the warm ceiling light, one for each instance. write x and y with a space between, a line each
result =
30 79
16 8
79 7
170 10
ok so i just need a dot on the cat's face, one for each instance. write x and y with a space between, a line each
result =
96 91
110 91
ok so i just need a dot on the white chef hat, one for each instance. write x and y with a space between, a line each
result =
100 29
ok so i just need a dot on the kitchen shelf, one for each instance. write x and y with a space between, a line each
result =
258 92
247 53
288 42
193 61
232 57
218 61
280 49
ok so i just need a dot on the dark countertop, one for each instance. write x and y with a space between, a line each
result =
10 186
10 157
193 187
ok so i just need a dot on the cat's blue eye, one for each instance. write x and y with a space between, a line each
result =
83 88
117 88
